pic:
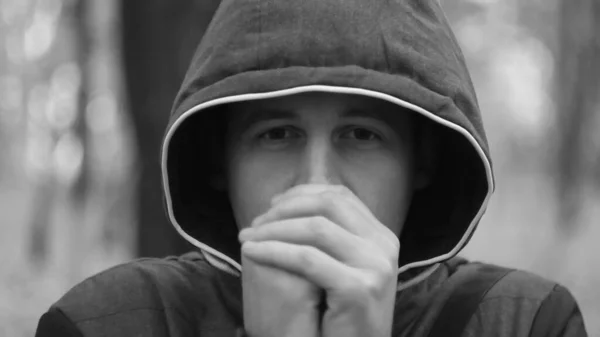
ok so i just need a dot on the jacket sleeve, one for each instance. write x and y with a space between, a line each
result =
526 305
575 326
55 323
558 316
146 297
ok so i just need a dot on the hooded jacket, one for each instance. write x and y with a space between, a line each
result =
400 51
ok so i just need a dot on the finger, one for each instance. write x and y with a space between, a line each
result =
378 233
306 261
330 206
338 210
316 231
313 189
332 191
382 231
305 189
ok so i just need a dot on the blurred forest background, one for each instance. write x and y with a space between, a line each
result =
85 92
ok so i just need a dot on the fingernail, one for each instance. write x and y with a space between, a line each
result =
245 234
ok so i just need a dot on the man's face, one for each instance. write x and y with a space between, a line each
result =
362 143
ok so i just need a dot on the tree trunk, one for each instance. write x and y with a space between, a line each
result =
158 40
578 89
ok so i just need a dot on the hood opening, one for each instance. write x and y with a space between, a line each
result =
441 214
198 150
440 221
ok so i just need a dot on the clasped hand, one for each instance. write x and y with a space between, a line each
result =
323 241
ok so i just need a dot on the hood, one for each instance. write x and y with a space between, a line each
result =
400 51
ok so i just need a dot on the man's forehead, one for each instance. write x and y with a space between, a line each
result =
293 107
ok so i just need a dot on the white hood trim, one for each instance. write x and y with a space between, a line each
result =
229 265
419 278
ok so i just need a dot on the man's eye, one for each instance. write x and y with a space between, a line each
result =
278 134
363 134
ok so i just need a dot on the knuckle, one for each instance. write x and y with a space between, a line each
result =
330 202
388 269
343 189
329 198
370 285
395 242
390 243
306 260
351 289
373 286
318 228
395 247
362 288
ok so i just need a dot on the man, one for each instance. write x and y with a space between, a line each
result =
328 159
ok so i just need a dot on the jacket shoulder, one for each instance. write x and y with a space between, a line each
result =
521 284
143 295
516 304
512 283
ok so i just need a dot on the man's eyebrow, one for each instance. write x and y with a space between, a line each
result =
381 116
249 118
395 120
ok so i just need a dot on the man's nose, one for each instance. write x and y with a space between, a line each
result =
319 163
